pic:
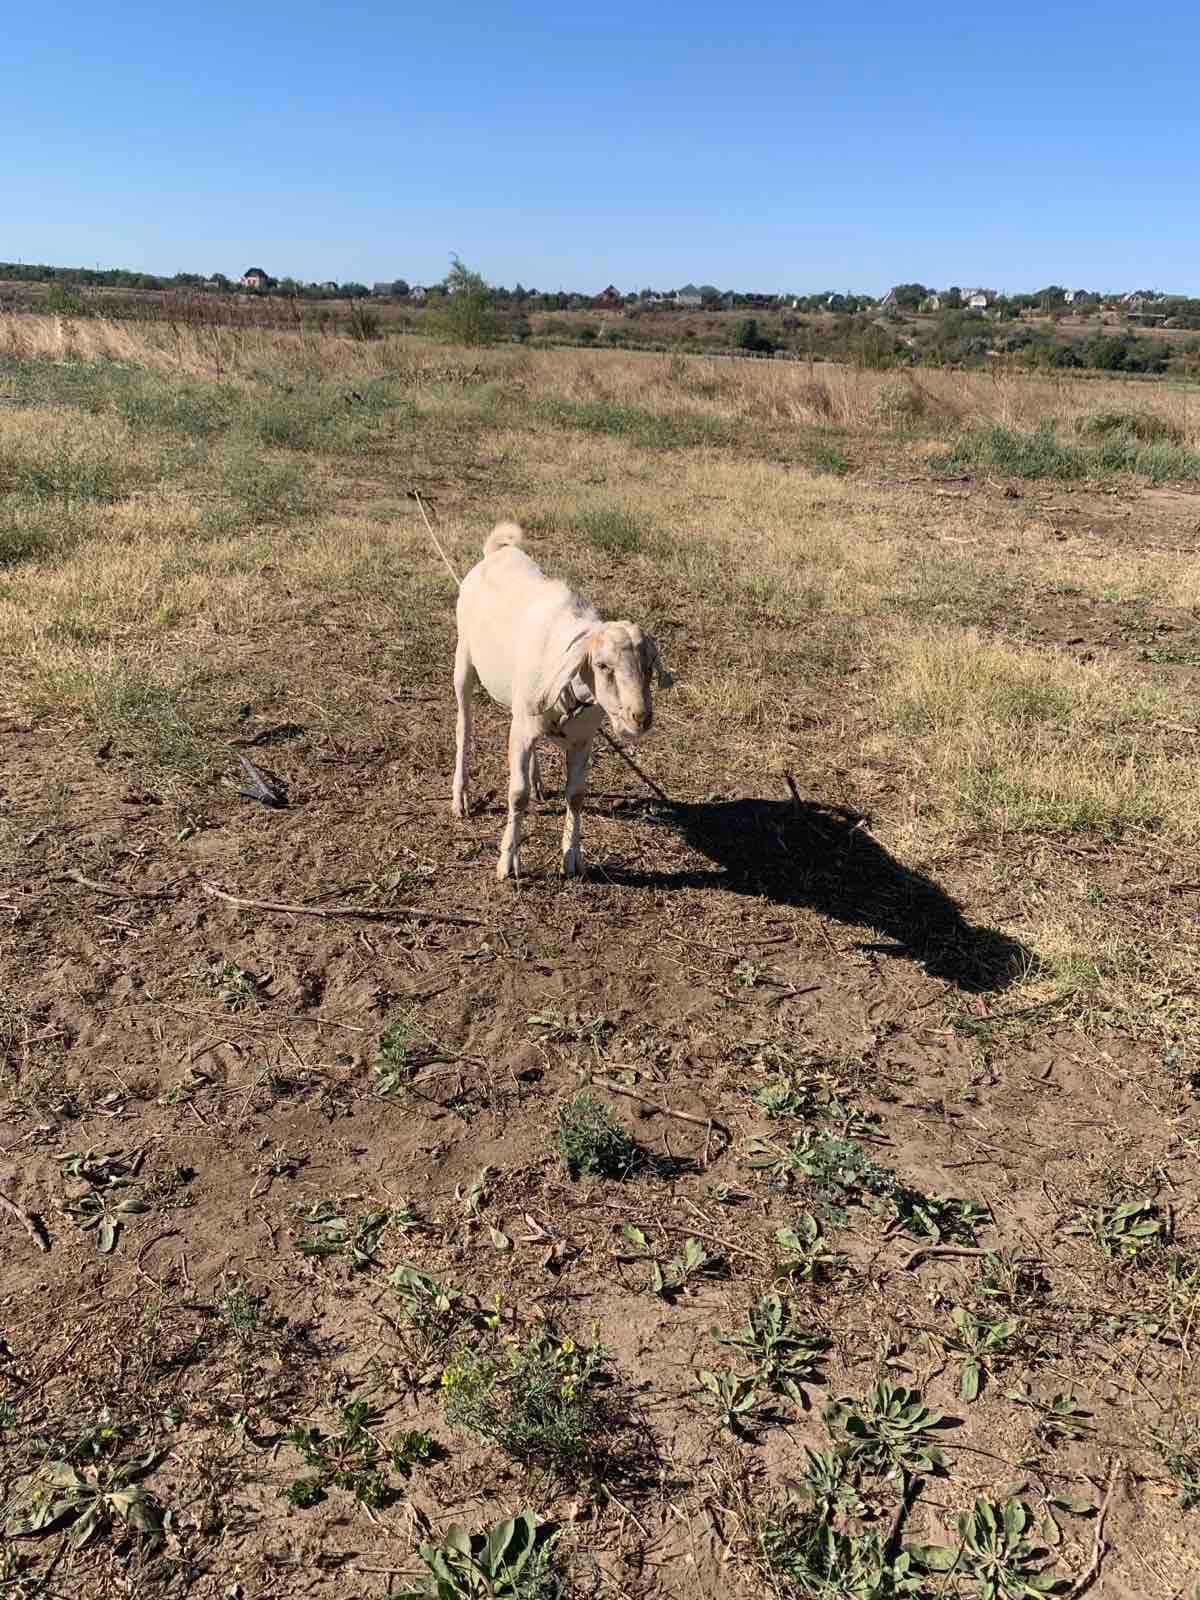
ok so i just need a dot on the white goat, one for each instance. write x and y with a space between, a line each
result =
539 648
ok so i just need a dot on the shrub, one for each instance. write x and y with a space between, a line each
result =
592 1140
746 336
1143 426
538 1405
364 323
466 315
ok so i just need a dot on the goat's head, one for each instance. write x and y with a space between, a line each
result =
621 661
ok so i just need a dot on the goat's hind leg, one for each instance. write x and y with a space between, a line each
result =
465 680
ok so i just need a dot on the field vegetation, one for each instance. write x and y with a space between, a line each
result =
805 1202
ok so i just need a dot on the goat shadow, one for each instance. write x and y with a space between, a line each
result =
798 853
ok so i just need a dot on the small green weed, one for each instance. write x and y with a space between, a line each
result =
736 1398
591 1140
243 1310
237 987
332 1234
889 1431
412 1449
350 1459
538 1403
1184 1467
1123 1232
670 1278
1059 1420
784 1353
828 458
982 1345
396 1062
433 1311
154 709
806 1255
104 1207
512 1560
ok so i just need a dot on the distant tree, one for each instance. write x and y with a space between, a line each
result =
400 288
709 295
910 295
746 336
355 291
467 315
952 299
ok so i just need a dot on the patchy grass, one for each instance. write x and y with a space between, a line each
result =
1042 454
332 1182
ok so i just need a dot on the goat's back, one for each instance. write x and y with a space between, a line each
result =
517 621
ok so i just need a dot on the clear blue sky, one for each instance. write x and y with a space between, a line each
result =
783 147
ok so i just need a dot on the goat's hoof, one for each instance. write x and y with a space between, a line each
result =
460 806
572 864
505 870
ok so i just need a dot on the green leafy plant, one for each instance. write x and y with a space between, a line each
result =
538 1401
432 1310
981 1344
105 1210
332 1234
995 1551
237 987
806 1256
591 1140
349 1459
804 1551
242 1310
889 1431
736 1398
1122 1232
89 1495
939 1218
512 1560
670 1278
396 1064
785 1354
1184 1467
415 1448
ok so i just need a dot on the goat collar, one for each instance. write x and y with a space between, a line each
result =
571 703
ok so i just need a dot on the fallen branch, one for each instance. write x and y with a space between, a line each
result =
712 1238
367 913
666 1111
1092 1571
112 890
924 1250
32 1226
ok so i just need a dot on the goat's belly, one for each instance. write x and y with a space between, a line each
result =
495 673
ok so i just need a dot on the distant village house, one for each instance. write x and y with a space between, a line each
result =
689 298
255 278
609 297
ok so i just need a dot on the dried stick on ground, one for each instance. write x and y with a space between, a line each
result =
368 913
630 762
32 1227
599 1081
113 890
1090 1573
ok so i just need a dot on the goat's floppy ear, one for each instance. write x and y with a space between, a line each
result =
654 662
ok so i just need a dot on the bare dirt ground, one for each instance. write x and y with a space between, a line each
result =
936 1017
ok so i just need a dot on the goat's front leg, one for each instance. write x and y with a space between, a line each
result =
521 741
535 772
464 683
578 756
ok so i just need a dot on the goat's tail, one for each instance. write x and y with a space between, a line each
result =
504 533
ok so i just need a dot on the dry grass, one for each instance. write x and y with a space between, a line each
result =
205 533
